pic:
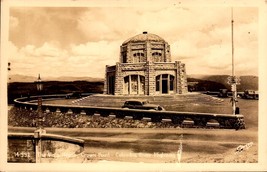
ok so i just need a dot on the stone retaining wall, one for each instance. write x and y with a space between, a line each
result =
196 119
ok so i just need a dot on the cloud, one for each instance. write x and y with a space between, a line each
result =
31 60
66 41
96 52
38 25
108 23
87 59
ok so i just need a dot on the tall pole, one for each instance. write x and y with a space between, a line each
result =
233 83
232 31
40 130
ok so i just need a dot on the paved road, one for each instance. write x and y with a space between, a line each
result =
196 142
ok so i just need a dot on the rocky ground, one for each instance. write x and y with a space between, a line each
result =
27 118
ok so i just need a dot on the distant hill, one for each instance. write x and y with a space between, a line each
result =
68 78
220 81
24 89
206 82
23 78
196 82
24 85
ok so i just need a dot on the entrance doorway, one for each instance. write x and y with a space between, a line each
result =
111 85
164 86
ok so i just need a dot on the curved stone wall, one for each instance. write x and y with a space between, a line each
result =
184 119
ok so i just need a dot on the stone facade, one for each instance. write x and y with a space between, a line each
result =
145 68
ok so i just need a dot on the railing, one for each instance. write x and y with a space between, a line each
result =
186 119
22 146
51 137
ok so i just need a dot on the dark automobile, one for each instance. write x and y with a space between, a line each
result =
250 94
223 93
141 104
73 95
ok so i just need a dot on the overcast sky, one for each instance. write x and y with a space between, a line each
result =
64 41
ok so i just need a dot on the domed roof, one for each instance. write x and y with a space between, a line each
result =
144 37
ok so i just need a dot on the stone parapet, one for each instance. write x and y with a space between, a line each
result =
199 119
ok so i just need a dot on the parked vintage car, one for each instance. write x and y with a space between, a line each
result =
142 104
73 95
250 94
223 93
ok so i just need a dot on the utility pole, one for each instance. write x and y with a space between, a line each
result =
39 130
234 80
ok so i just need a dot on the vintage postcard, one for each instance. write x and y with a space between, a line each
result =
133 86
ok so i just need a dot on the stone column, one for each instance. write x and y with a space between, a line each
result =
105 90
121 56
184 79
138 84
160 84
167 51
147 78
181 78
150 79
130 84
118 80
129 56
168 84
148 53
178 81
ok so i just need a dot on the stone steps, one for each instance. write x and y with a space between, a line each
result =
178 100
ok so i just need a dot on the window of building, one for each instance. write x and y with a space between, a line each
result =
157 56
111 84
171 82
164 83
126 84
134 84
142 84
158 83
124 57
138 57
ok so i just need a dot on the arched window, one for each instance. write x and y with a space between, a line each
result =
158 82
157 56
124 57
138 57
171 83
111 84
134 84
165 83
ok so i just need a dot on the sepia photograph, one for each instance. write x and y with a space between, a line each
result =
133 86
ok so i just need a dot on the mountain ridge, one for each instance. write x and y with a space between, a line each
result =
214 81
24 78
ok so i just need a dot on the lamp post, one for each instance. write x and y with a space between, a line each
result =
39 85
40 129
234 79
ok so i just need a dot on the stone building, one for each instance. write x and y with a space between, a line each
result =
145 68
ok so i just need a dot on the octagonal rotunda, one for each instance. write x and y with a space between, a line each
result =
145 68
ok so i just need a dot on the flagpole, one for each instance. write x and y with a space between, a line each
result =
233 84
232 30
